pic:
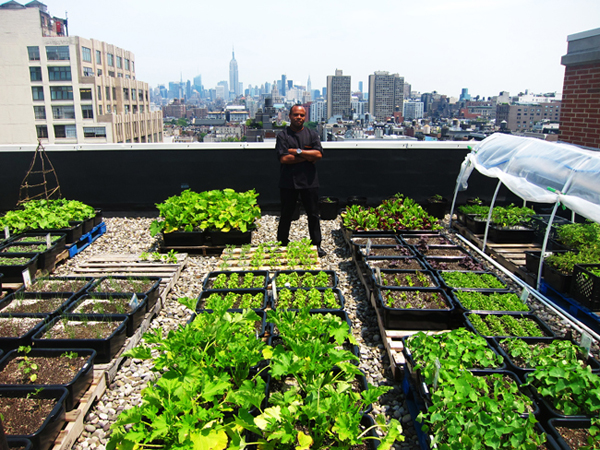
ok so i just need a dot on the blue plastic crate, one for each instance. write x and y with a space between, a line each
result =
86 240
573 307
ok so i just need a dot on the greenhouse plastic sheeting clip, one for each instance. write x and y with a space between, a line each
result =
556 191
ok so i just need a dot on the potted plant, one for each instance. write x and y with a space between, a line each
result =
437 206
509 225
329 207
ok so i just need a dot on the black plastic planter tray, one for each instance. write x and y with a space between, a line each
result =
416 376
184 238
401 263
22 444
14 273
151 293
46 434
401 250
12 342
435 263
474 225
573 423
265 327
331 273
86 281
431 239
558 281
523 371
58 239
8 304
233 237
547 409
207 285
543 326
76 387
46 258
532 259
403 273
72 234
455 251
377 237
205 294
134 317
585 286
87 225
463 308
418 319
516 235
98 219
105 348
338 294
440 276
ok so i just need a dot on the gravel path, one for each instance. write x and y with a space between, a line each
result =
131 236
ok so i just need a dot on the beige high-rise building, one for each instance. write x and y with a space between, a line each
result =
63 89
338 95
386 93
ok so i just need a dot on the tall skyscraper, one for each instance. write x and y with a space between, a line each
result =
65 89
283 89
360 86
309 85
338 95
386 92
233 75
198 83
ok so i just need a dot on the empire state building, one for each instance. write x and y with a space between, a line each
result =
233 75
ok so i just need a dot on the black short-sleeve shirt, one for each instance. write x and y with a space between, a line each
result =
302 175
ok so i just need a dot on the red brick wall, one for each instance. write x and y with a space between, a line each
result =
580 108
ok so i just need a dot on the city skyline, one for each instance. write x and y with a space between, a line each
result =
445 46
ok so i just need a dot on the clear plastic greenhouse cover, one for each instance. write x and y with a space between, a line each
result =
539 171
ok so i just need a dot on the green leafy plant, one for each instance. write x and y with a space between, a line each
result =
27 366
511 216
45 214
472 280
504 325
494 301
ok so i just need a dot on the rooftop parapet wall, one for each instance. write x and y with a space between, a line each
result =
130 177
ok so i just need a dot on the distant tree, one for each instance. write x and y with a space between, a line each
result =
201 137
311 125
231 139
182 122
174 122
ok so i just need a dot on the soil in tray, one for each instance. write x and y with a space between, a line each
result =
407 280
22 415
400 264
124 285
424 241
442 251
33 305
375 241
519 361
50 370
398 299
73 329
465 263
57 285
36 239
25 249
395 251
17 326
103 306
575 437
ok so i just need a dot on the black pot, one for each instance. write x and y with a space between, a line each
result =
437 209
184 238
329 209
81 381
46 434
360 201
232 237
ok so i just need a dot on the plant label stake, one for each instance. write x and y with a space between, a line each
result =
275 292
134 302
48 241
436 376
368 249
378 275
6 233
524 295
586 342
27 278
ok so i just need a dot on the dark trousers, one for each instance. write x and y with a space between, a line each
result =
310 200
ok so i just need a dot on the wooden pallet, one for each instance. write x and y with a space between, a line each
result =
76 417
205 250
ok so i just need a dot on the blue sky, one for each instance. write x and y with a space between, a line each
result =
445 45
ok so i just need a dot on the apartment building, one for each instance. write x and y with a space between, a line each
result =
386 93
523 116
338 95
62 89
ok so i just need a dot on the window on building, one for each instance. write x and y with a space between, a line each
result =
59 73
107 92
114 89
39 112
42 131
126 109
99 110
133 94
119 62
125 93
63 112
132 66
126 64
61 92
142 109
94 132
99 93
86 54
119 75
85 94
146 95
65 131
88 72
37 92
111 73
107 109
99 72
98 57
57 52
87 111
34 53
141 95
35 73
127 76
110 59
135 109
